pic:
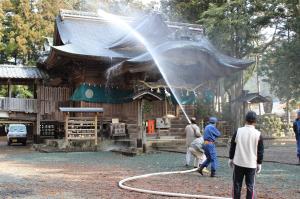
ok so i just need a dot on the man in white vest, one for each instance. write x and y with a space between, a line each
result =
245 156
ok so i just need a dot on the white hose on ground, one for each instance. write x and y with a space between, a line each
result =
121 185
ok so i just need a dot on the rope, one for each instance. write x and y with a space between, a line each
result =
165 86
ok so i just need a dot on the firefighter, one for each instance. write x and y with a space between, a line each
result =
211 133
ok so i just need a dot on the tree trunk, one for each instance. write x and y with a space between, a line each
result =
237 106
287 117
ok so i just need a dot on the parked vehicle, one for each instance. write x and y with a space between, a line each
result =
17 133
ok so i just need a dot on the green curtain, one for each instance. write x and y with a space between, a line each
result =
97 94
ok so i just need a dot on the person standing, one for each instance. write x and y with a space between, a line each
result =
192 132
296 128
245 156
211 133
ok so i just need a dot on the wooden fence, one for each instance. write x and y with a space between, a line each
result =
18 104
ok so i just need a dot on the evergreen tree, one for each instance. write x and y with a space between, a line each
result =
282 60
21 36
1 29
188 11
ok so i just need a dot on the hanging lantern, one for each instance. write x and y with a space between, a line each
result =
167 93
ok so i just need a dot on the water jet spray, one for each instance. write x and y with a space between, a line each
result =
118 21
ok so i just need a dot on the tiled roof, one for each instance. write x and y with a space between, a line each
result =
20 72
252 98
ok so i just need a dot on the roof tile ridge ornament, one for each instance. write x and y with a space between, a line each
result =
75 14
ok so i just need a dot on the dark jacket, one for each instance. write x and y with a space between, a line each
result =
296 128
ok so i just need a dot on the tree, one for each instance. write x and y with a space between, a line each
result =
1 28
184 10
282 61
282 69
22 33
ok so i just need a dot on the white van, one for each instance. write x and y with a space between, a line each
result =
17 133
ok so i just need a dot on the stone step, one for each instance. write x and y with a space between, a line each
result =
168 144
126 142
128 151
131 125
176 129
178 126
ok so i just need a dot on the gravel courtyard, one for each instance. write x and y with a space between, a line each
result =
28 174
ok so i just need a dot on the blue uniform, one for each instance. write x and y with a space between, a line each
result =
296 127
210 134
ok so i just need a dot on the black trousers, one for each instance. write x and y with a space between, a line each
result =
238 176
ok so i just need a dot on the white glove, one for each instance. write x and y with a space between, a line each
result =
230 163
258 168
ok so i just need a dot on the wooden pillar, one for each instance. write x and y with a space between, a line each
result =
9 94
166 107
96 125
38 113
66 125
140 125
9 88
143 130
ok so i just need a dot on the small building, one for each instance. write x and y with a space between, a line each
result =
249 100
40 112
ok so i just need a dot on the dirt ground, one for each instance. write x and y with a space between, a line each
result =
25 173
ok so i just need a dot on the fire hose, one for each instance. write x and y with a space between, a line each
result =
121 185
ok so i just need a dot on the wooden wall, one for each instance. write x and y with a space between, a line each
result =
128 112
125 112
51 99
54 97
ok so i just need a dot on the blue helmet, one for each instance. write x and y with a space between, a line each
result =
213 120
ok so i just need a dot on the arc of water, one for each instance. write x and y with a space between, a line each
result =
118 21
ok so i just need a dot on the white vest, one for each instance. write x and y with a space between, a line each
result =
246 140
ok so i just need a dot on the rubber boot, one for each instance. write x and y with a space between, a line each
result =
213 174
201 169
